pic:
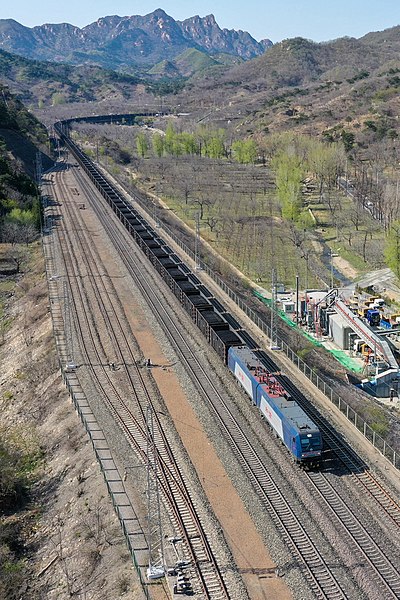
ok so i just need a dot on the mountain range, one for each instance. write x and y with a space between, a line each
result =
134 44
343 88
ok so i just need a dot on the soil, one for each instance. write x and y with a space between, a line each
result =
344 267
72 542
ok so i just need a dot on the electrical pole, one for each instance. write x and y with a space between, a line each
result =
69 338
155 214
38 169
274 316
156 567
197 259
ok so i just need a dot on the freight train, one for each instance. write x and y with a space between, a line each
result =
296 430
239 351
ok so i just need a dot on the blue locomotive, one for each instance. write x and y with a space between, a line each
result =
296 430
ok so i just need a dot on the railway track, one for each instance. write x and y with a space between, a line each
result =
321 579
379 562
347 458
316 571
94 300
363 540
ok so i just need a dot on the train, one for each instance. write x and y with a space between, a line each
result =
289 421
243 356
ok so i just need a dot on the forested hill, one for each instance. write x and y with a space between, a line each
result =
346 85
21 137
44 83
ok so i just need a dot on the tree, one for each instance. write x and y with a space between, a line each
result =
158 144
288 177
326 163
57 99
18 255
169 139
392 249
189 143
348 139
202 201
142 145
212 222
245 151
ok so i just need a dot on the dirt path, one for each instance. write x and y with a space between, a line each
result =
344 267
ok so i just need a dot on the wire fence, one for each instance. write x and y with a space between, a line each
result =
115 500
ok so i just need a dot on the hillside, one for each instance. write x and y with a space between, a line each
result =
316 88
40 83
345 88
21 138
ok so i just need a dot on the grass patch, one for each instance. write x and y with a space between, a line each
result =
20 457
353 259
378 421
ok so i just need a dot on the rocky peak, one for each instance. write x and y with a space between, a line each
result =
117 39
206 32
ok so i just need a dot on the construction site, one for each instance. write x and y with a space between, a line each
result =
358 329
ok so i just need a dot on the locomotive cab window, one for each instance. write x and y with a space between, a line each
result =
310 442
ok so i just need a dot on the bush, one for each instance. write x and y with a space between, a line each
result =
12 572
19 457
378 421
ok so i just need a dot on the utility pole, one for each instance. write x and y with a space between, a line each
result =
197 259
5 99
274 316
69 338
156 567
38 169
155 214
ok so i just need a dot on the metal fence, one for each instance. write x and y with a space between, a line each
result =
374 438
116 505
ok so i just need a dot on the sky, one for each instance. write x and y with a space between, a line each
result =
318 20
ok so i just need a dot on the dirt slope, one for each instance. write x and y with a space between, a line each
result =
71 541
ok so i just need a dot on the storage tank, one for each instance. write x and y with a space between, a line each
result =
340 331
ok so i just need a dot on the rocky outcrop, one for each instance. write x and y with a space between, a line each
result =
115 41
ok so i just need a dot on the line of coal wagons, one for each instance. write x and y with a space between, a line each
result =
225 334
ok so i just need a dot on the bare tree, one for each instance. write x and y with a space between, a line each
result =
212 223
18 255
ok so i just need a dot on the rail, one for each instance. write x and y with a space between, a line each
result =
115 486
361 425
